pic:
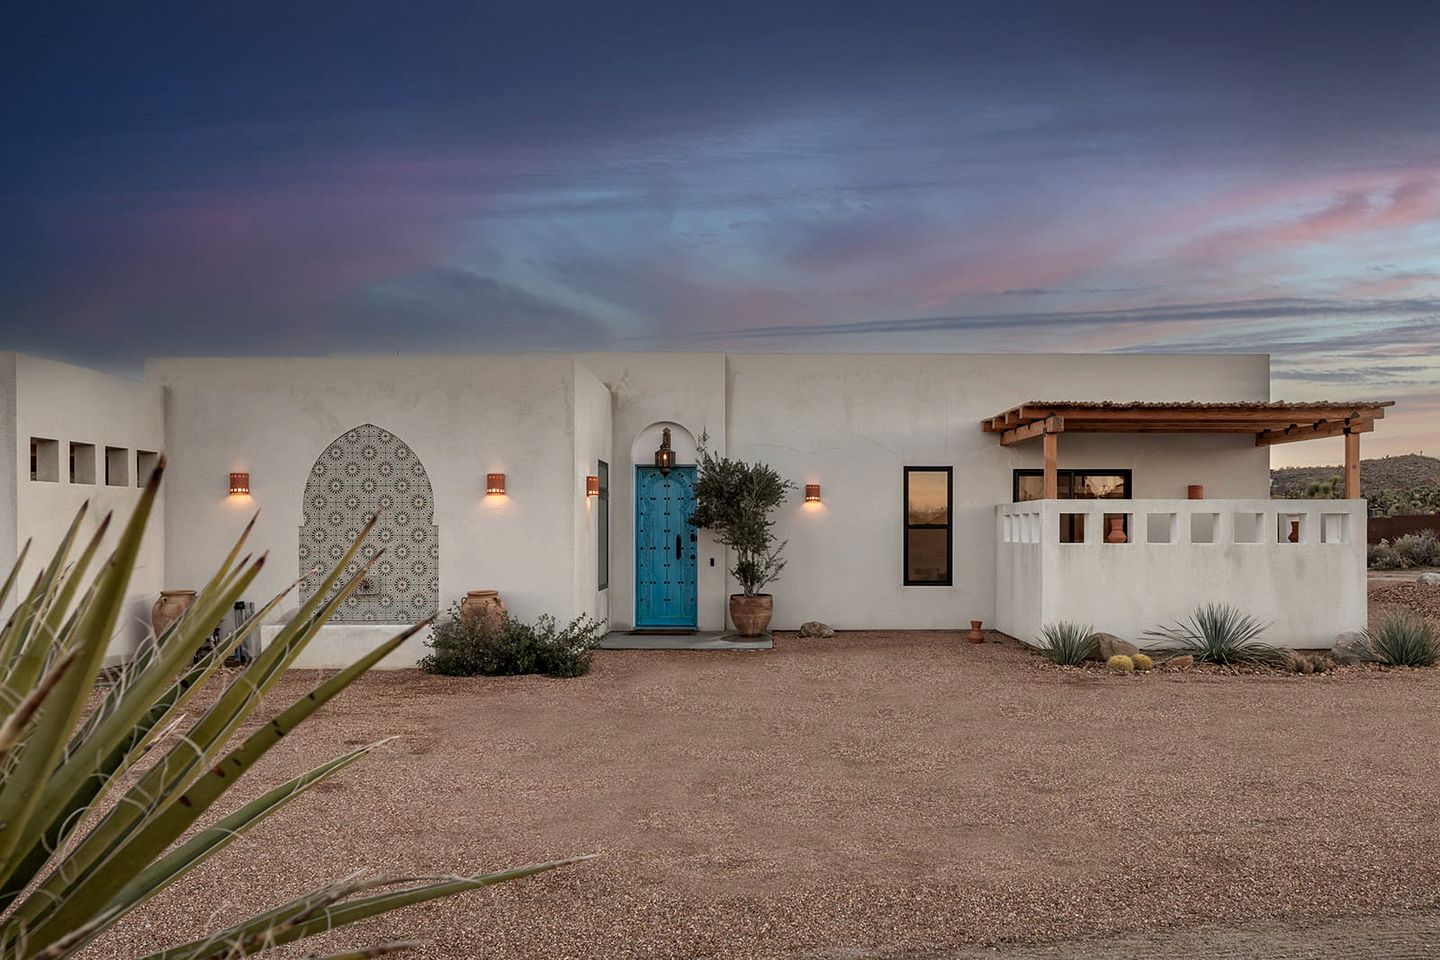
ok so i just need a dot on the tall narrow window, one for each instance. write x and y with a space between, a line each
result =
928 550
602 525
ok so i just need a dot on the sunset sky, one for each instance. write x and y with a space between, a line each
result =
228 178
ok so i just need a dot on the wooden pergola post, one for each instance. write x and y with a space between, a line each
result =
1052 473
1352 464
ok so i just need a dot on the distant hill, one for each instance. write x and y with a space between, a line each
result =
1405 473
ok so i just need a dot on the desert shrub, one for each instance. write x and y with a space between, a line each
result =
1218 633
101 809
1120 663
481 646
1404 640
1069 644
1418 549
1384 556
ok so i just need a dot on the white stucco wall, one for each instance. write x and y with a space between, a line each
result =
63 402
592 442
852 423
463 416
1308 591
687 389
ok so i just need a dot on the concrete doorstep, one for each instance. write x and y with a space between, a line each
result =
619 640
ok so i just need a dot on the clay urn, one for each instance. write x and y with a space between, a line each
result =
976 635
485 605
168 608
1294 531
1115 530
751 614
1195 491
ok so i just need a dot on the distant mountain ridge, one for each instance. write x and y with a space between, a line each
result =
1403 473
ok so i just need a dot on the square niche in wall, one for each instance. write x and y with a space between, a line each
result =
117 467
44 460
145 463
82 462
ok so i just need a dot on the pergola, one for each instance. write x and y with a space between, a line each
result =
1271 423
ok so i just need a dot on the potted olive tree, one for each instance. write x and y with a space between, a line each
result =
734 500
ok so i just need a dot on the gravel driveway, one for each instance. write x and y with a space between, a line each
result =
886 794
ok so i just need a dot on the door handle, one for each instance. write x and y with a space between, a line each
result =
677 546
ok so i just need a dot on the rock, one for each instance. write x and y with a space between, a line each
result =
814 628
1351 648
1180 663
1113 646
1430 578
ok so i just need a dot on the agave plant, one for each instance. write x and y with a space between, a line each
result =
1218 633
81 843
1069 644
1404 640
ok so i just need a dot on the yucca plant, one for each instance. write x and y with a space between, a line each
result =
1218 633
1404 640
81 843
1069 644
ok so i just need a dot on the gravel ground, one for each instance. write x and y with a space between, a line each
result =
1387 591
878 794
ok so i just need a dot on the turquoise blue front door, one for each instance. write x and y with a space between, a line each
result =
664 547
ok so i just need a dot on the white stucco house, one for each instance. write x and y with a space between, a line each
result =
946 490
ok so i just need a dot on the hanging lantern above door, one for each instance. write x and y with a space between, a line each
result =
665 456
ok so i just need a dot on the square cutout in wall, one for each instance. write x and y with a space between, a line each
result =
1248 526
82 462
44 460
1204 527
1334 528
117 467
1072 528
1160 527
145 463
1290 528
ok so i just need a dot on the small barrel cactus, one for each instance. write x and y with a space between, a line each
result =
1120 664
1142 661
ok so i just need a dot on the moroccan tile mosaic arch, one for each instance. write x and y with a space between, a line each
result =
370 471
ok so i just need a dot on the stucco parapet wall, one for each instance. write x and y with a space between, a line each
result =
1179 554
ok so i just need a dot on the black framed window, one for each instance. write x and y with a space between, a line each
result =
929 494
1076 485
602 525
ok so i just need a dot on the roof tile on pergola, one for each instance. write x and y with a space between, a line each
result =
1270 423
1277 422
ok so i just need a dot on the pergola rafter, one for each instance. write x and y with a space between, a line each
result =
1270 423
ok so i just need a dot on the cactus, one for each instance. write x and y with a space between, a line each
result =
1121 664
1142 661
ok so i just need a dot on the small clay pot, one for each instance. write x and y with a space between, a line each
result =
751 614
484 605
1115 530
169 607
1195 491
1294 531
976 635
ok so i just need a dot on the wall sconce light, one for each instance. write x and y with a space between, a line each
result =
812 493
592 486
495 484
239 484
665 456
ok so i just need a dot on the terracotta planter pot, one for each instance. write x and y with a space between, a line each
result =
1195 491
751 614
1115 532
1294 531
976 635
168 608
485 605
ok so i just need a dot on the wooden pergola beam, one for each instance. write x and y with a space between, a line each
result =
1046 427
1313 431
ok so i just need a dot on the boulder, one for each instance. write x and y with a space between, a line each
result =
1113 646
1430 578
814 628
1180 663
1351 648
